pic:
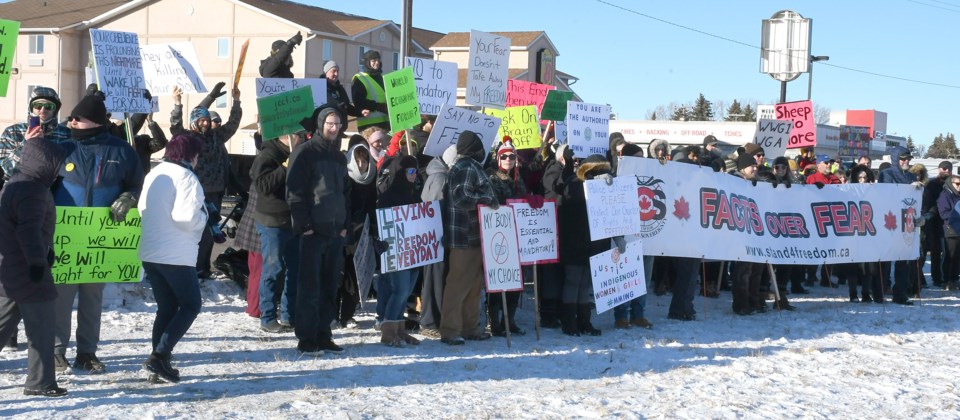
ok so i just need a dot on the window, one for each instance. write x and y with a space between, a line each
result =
223 47
36 44
30 89
327 50
221 102
396 61
362 50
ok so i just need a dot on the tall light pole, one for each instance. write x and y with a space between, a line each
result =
814 59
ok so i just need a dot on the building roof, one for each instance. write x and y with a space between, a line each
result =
426 38
317 18
462 39
55 14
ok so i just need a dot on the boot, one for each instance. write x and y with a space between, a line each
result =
784 305
160 365
550 313
388 333
512 316
405 336
568 319
584 311
493 315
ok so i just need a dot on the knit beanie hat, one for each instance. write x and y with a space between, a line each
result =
631 149
745 160
469 144
91 107
330 65
197 113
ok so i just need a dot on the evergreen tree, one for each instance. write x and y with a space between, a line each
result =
680 114
702 110
912 147
653 116
936 148
734 112
749 114
950 147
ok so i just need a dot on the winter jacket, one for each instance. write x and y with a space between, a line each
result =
11 141
337 94
172 215
146 146
27 220
213 162
467 186
277 64
399 191
555 177
575 245
96 171
269 177
505 186
318 190
363 196
658 144
823 179
946 203
895 175
437 172
931 194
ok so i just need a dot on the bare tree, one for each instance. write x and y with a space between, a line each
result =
719 110
821 114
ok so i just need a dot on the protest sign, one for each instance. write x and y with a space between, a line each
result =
555 105
773 136
501 254
522 92
120 70
401 99
272 86
617 278
588 128
281 113
436 83
520 123
363 260
488 70
612 209
89 247
452 121
243 58
168 65
9 29
804 133
854 141
413 234
537 232
560 131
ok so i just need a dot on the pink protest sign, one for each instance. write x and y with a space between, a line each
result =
804 133
521 92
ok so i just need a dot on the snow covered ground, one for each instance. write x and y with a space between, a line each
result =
829 359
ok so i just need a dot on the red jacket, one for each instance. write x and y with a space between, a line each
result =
823 179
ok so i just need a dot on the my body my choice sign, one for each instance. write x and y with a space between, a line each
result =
90 247
501 255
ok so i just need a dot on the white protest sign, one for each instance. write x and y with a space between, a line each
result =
168 65
612 209
773 136
560 132
452 121
363 262
536 232
588 128
436 83
119 70
154 104
617 278
413 234
267 87
488 70
501 254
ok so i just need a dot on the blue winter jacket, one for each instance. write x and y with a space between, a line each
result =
96 171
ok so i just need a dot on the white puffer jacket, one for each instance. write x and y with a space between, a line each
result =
172 215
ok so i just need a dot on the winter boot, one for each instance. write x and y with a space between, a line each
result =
568 319
388 333
512 316
494 319
160 364
405 336
550 313
584 311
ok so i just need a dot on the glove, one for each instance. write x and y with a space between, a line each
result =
620 243
606 178
754 182
920 221
379 247
918 185
494 205
51 257
296 39
122 205
37 272
217 90
819 185
775 183
147 95
788 183
535 201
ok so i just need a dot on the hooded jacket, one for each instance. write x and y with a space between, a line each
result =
658 143
269 177
945 205
318 187
575 246
27 220
363 194
11 140
434 186
173 216
895 175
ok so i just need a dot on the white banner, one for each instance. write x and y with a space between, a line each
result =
773 136
436 83
488 70
272 86
536 231
452 121
363 261
689 211
168 65
413 234
611 209
119 70
588 128
501 254
617 278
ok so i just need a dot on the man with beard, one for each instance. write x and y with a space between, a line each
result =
336 93
369 98
44 106
278 64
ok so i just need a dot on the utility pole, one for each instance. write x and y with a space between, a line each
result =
405 31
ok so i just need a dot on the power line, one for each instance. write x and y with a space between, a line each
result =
745 44
937 7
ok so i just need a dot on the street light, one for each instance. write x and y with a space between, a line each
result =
814 59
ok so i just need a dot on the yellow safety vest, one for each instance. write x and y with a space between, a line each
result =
376 94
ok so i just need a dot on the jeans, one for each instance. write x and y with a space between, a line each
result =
634 308
280 250
399 286
321 258
177 291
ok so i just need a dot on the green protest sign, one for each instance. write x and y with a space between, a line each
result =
92 248
402 104
9 29
281 113
520 123
555 106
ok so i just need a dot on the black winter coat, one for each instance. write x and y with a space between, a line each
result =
318 188
269 178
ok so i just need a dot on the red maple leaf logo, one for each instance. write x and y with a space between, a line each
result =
681 209
890 221
645 202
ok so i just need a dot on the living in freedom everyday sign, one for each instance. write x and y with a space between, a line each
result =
412 233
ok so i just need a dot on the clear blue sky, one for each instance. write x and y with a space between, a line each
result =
635 63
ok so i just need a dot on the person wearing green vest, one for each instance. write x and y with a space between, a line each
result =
368 95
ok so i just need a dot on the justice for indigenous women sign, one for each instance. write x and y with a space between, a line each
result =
89 247
688 211
617 277
412 233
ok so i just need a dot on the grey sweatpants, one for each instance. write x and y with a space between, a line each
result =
89 308
37 322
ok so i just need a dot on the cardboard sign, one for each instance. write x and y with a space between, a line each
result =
91 248
272 86
773 136
522 92
363 261
488 70
402 102
804 133
169 65
9 29
521 124
555 105
436 84
413 234
588 128
120 70
452 121
617 278
243 58
537 232
612 209
501 252
281 114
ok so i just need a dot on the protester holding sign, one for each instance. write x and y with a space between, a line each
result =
431 294
279 62
363 201
369 97
899 174
44 105
558 171
507 184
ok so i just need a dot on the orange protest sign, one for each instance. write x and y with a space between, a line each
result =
243 57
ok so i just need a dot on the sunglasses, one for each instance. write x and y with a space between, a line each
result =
73 118
411 171
759 155
44 105
508 157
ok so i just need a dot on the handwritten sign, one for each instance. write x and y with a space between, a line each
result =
271 86
452 121
588 128
413 234
536 231
9 29
612 209
436 83
617 278
120 70
90 247
560 131
281 113
520 123
522 92
169 65
363 260
501 252
555 105
488 70
773 136
401 99
804 133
